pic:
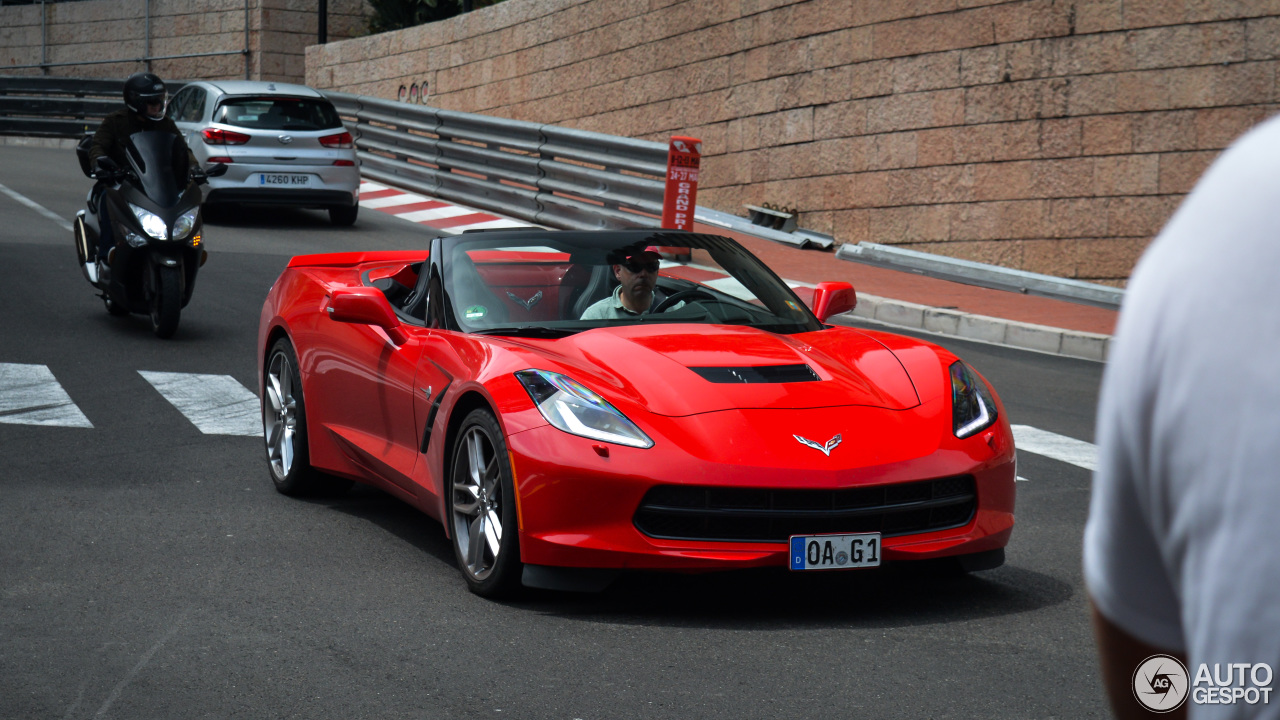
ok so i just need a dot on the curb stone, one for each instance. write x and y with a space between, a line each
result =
997 331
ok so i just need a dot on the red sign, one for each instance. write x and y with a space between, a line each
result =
684 156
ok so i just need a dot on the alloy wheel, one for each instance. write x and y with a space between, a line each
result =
477 504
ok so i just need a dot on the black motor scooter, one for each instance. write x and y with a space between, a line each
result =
154 210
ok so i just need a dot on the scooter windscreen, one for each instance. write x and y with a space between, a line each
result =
159 161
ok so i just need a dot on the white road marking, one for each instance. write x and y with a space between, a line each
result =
1059 447
31 395
371 186
435 213
730 286
61 221
215 404
391 200
490 225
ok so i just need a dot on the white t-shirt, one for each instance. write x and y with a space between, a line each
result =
1182 546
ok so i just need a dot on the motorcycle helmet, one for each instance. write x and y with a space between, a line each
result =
143 89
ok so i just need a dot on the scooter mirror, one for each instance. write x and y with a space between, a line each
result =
216 170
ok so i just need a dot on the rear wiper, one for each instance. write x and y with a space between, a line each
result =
538 331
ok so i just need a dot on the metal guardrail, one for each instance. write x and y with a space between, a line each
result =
57 106
544 174
983 275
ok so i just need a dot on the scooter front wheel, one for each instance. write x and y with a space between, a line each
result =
166 301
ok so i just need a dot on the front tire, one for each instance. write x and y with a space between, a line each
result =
166 301
344 216
284 428
482 508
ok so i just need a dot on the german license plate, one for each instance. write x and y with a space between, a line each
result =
835 552
284 179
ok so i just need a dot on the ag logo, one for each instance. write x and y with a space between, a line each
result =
1160 683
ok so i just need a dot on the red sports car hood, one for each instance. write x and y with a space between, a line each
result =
678 370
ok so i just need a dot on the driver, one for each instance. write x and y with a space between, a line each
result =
145 99
638 274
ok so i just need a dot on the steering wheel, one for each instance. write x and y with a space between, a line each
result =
682 295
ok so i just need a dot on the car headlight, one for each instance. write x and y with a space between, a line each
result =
972 408
183 224
571 407
150 222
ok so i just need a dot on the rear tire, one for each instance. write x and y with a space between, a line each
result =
482 508
166 301
344 216
284 428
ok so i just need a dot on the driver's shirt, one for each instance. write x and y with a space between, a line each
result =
611 308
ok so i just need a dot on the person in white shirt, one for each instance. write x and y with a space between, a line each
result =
1182 545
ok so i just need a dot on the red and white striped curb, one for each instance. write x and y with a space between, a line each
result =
437 214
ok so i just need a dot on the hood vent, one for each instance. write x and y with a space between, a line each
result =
758 374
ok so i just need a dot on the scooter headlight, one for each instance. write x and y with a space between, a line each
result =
182 226
134 239
150 222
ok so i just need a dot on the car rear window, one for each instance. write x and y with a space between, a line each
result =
278 113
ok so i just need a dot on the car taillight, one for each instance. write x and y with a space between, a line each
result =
344 163
219 159
341 140
218 136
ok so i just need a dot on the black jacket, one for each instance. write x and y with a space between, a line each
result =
118 126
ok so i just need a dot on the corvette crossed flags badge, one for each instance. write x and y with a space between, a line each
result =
826 449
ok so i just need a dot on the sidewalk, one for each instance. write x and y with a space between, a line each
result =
939 306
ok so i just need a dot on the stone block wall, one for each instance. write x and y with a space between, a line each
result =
1054 136
95 30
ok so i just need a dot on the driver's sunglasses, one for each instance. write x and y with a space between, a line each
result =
635 267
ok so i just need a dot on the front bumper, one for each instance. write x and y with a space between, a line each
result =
579 509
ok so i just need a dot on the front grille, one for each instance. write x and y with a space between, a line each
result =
758 374
750 515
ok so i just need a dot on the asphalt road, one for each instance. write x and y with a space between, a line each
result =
149 570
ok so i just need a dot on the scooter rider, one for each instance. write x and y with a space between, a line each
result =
145 99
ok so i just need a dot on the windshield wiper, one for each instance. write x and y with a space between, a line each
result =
536 331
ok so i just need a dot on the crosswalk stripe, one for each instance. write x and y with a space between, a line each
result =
215 404
1058 447
31 395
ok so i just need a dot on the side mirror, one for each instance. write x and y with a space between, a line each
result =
833 298
216 170
366 306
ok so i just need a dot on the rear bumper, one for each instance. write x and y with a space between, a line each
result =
299 198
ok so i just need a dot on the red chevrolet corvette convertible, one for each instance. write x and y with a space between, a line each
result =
570 405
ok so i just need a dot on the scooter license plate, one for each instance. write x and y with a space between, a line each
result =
835 552
284 180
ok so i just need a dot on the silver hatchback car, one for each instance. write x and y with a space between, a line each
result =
282 144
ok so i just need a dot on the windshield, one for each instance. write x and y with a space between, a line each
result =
160 165
278 113
551 284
